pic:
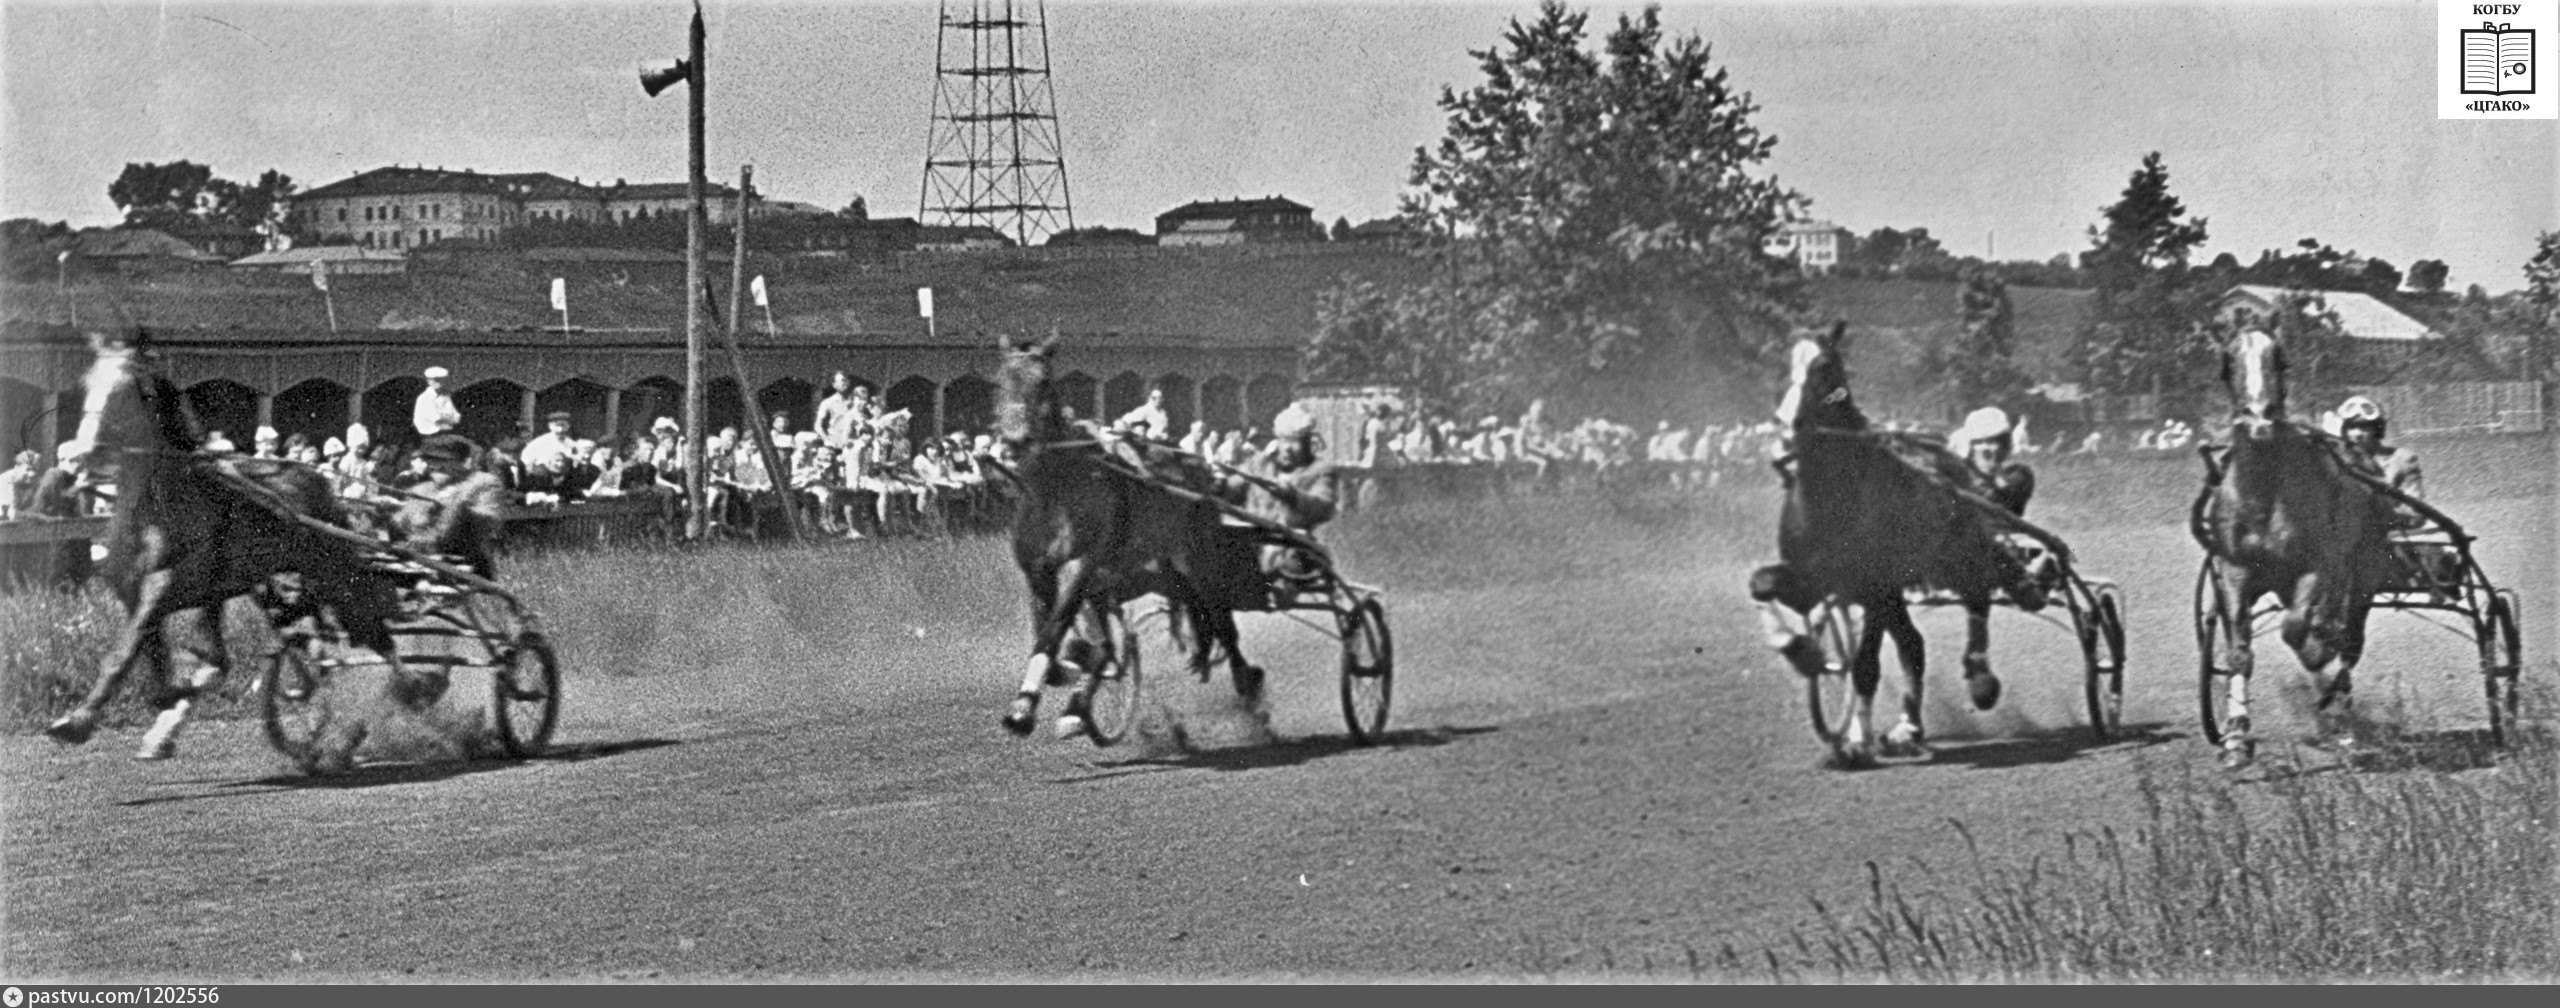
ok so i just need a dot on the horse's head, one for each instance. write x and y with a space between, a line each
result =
2253 371
1025 411
1818 382
127 405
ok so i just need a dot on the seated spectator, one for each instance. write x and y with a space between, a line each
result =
19 483
66 491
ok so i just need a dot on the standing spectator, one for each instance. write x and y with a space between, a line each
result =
835 412
1149 420
434 413
1374 433
1196 440
19 483
265 444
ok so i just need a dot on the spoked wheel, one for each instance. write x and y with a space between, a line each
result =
288 695
524 694
1829 697
2102 648
2501 659
1114 704
2213 664
1368 669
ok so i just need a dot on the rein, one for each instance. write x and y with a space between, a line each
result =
1988 508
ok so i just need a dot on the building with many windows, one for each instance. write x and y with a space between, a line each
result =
1238 221
1813 244
404 208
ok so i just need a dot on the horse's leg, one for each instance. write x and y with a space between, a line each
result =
1907 738
2239 599
1979 682
203 642
141 629
2325 627
1857 745
1052 610
1247 676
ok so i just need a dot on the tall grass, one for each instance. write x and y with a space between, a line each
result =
2306 874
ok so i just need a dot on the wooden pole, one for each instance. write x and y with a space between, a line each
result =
695 522
773 467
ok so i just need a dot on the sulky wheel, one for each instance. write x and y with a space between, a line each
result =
2102 647
289 698
525 694
1835 629
2501 659
2213 672
1368 670
1113 706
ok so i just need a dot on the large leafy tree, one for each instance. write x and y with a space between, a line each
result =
2140 335
1980 367
183 192
2541 324
1594 223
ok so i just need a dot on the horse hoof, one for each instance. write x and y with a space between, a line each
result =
1984 688
1904 741
2238 757
1853 758
1018 719
1070 726
73 728
1248 681
1804 656
157 750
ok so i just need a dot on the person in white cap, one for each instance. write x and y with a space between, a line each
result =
1293 487
434 412
1149 420
2362 425
1986 440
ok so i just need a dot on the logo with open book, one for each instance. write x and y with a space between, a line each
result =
2497 59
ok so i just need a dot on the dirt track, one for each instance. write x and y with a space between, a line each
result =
1599 772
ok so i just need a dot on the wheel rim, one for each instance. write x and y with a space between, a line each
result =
293 724
2501 658
1114 703
2212 679
1368 671
1838 638
525 723
2103 643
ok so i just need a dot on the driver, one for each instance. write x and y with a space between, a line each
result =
1292 486
1986 440
2362 425
461 515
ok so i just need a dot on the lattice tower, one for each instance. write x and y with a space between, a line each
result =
994 155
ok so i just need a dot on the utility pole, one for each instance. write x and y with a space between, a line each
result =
776 464
690 71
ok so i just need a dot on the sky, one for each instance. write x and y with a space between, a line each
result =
2002 128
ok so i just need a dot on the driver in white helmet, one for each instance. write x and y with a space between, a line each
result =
2362 425
1985 441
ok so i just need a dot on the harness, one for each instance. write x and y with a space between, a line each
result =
1985 507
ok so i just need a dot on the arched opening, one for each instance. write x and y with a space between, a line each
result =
1075 392
1177 404
1222 403
315 409
492 411
789 398
649 399
1124 392
1264 397
968 405
226 406
914 394
22 420
583 400
387 407
722 407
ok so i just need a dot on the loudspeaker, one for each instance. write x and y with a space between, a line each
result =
654 81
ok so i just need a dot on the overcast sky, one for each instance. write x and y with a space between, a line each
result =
2007 123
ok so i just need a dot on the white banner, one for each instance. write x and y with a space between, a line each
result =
757 288
559 294
924 302
320 273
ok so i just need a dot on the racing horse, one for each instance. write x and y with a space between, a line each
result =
1088 531
191 532
1868 515
2284 514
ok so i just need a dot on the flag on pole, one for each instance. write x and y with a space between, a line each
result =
320 275
559 294
757 288
924 301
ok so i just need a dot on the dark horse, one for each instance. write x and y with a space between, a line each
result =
1868 515
1088 532
191 532
2283 513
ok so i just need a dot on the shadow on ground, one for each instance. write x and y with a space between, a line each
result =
2049 745
1286 753
371 775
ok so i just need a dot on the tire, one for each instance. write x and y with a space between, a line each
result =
2212 678
1368 670
2102 646
1117 676
525 723
289 700
1837 633
2501 662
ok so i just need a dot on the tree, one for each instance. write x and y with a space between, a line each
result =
2141 333
2542 298
1979 368
1593 225
1341 229
157 195
2427 276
